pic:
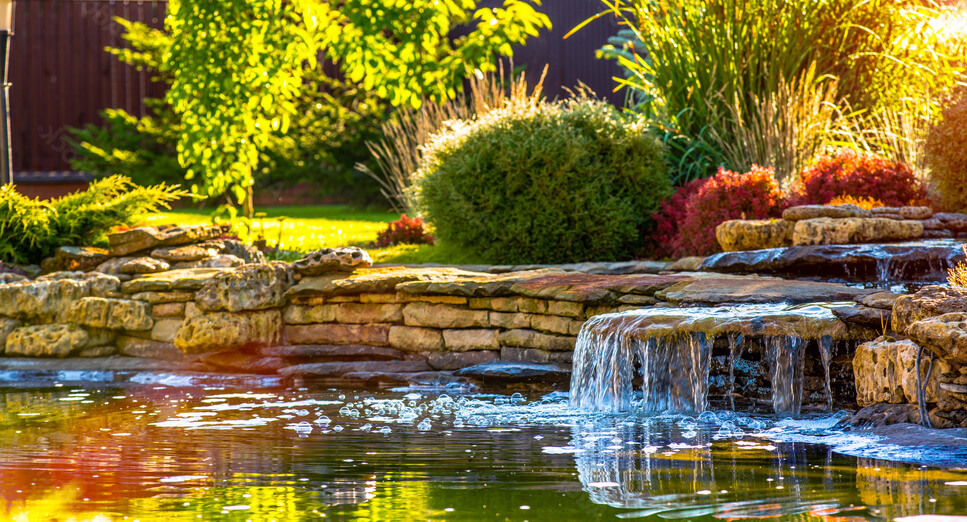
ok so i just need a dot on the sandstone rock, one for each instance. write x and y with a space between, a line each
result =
437 299
388 298
929 301
886 414
83 259
826 231
641 300
882 300
371 280
950 216
873 318
824 211
328 260
184 253
592 289
242 362
49 298
513 353
713 291
250 287
531 339
686 264
46 340
490 285
144 265
510 320
369 313
455 361
472 339
507 371
219 261
937 234
443 316
98 351
168 310
884 372
296 314
6 326
742 234
172 280
249 254
334 352
163 297
415 339
931 224
10 277
944 335
916 212
218 331
336 369
556 324
143 238
147 348
113 265
165 330
113 314
372 334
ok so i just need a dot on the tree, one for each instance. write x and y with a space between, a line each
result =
238 65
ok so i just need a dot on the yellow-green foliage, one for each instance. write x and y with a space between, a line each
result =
31 229
946 154
957 275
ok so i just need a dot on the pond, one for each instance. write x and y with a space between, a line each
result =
180 447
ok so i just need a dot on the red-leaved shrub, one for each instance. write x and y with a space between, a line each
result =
858 175
406 230
727 195
671 213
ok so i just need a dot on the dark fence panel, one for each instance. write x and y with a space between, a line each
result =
62 77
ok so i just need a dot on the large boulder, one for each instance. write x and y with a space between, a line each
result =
929 301
824 211
827 231
885 372
144 238
113 314
328 260
49 298
249 287
217 331
46 340
754 234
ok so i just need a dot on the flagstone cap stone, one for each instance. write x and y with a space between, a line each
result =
328 260
144 238
373 280
187 279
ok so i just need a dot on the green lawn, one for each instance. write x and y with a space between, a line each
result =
307 228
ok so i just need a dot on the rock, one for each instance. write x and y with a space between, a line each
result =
510 320
168 310
137 347
506 371
415 339
296 314
334 352
824 211
49 298
177 254
531 339
97 351
219 261
882 300
247 253
929 301
916 212
512 353
876 415
82 259
589 288
868 262
250 287
443 316
490 285
173 280
556 324
372 280
873 318
144 265
937 234
712 291
369 313
46 340
143 238
113 314
686 264
336 369
944 335
473 339
218 331
947 217
372 334
7 326
10 277
165 330
328 260
884 372
931 224
242 362
742 234
826 231
454 361
163 297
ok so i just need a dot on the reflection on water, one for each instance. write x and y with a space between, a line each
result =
160 452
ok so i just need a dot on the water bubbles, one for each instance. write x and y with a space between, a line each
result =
322 420
728 430
385 430
424 425
337 428
517 398
302 428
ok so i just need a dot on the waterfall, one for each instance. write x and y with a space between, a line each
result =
666 354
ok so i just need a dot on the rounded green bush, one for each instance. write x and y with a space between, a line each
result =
544 183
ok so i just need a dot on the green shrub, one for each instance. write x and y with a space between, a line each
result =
31 229
946 154
544 183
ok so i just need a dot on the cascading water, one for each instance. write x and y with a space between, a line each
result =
669 351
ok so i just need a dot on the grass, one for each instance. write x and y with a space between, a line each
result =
297 230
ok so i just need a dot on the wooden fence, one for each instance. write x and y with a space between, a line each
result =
62 76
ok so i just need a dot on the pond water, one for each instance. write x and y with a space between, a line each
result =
170 447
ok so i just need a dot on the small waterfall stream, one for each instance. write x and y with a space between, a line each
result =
667 353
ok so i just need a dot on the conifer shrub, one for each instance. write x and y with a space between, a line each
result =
540 182
859 175
946 155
